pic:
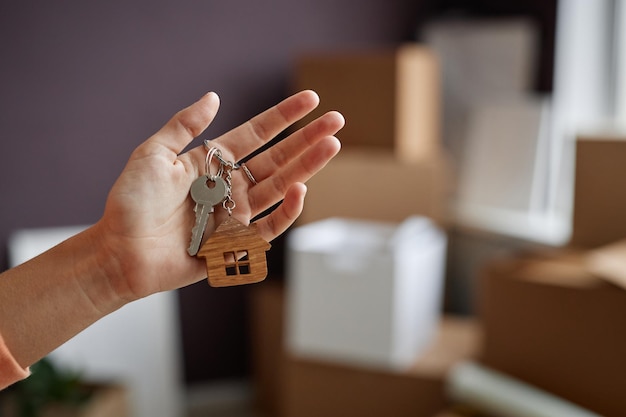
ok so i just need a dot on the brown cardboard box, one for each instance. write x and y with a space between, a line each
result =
267 308
449 413
323 389
374 185
550 323
390 99
599 192
462 412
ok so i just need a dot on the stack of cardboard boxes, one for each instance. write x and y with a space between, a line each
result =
391 167
552 319
286 385
556 319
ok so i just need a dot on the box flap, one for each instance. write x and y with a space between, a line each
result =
609 263
563 268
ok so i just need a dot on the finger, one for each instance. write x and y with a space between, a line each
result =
248 137
187 124
285 215
279 155
268 192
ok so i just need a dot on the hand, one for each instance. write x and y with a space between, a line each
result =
146 226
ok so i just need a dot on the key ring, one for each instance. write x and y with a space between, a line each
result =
228 164
207 163
225 170
218 155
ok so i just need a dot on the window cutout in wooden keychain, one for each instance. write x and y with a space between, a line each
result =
234 253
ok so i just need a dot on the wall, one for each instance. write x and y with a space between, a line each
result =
83 83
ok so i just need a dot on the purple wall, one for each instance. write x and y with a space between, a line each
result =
83 83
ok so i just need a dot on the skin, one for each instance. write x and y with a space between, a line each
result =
138 247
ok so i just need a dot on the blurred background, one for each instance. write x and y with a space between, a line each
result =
479 106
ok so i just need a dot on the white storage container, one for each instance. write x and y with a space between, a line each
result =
364 293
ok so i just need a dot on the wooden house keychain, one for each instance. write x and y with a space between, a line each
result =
234 253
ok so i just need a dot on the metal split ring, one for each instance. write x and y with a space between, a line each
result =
218 154
207 163
213 151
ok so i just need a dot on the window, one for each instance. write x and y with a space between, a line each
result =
237 263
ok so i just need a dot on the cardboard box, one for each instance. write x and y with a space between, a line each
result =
552 324
599 197
362 292
390 99
374 185
314 388
267 317
461 411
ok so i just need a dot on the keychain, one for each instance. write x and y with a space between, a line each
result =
234 253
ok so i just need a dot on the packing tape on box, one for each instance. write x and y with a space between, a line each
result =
494 392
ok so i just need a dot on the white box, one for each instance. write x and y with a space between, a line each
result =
481 60
365 293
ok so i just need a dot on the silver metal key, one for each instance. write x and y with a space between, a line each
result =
206 192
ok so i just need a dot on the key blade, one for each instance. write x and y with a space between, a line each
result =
202 218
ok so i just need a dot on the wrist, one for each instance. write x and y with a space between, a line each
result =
99 273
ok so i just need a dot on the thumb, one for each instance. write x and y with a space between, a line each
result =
187 124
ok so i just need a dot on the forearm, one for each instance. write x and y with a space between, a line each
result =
46 301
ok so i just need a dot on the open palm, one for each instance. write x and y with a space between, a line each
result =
146 226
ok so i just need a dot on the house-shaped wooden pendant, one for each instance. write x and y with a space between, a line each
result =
235 254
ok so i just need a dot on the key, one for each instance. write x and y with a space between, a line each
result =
206 192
